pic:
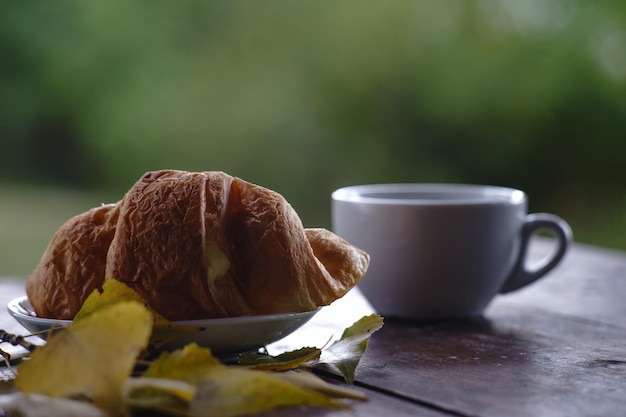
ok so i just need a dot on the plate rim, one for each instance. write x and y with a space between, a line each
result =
16 309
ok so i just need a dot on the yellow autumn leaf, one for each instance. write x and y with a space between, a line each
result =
309 380
283 362
189 364
166 396
36 405
170 382
114 291
231 391
92 357
176 388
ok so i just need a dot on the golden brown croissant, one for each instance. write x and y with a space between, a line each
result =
196 245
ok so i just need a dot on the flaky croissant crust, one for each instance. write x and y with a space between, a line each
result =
196 245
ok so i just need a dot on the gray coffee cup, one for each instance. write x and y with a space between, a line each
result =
442 250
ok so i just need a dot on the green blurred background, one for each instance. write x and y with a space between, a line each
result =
305 97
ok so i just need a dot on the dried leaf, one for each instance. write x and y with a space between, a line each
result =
190 364
157 394
180 389
92 357
229 392
34 405
310 381
114 291
232 390
103 342
187 366
345 354
283 362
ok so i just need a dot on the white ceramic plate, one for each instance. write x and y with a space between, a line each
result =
225 336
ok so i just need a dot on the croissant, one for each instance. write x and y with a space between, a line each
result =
196 245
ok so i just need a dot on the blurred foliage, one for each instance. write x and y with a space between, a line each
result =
304 97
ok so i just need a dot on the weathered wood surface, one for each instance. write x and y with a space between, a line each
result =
555 348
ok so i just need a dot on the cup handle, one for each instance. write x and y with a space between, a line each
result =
520 276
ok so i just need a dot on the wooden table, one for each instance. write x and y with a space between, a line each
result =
555 348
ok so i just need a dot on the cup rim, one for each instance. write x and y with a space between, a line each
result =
468 194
